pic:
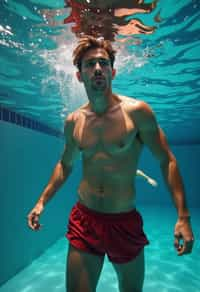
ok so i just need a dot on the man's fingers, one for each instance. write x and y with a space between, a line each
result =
177 240
184 238
185 247
33 221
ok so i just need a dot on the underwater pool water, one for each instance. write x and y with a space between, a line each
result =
37 80
37 77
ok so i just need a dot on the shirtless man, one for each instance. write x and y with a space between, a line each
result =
111 131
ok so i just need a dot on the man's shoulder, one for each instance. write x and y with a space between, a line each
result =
70 121
72 117
136 105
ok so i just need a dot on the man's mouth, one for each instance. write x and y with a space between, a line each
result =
99 78
99 82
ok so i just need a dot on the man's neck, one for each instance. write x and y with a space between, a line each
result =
100 103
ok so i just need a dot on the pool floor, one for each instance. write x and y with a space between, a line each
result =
165 271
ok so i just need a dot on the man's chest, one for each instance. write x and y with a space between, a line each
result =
114 130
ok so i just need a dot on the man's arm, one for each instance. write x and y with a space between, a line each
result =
150 180
154 138
60 174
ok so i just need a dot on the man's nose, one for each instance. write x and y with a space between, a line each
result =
98 68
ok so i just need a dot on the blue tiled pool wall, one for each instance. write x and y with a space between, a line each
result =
13 117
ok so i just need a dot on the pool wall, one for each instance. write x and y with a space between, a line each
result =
28 158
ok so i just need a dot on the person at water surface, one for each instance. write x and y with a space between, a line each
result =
110 131
108 18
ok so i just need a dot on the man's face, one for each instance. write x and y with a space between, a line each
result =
96 70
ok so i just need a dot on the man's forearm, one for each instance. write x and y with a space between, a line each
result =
58 177
174 182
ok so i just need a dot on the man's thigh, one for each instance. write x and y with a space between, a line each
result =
82 270
131 274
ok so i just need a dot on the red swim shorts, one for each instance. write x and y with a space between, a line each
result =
119 235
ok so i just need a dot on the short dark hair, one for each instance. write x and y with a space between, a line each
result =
89 42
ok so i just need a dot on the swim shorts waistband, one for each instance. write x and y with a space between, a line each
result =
106 216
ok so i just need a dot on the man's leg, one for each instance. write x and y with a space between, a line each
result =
131 274
82 270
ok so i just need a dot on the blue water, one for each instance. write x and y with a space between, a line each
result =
165 271
37 79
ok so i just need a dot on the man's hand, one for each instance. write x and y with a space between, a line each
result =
183 232
33 217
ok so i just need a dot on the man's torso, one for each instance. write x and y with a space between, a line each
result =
110 146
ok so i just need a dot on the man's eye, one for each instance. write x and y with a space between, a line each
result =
104 62
90 64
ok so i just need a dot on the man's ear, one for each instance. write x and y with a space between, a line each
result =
113 73
78 75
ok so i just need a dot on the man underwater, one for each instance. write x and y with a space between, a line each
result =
110 131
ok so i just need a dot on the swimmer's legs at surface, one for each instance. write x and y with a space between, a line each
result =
131 274
82 270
